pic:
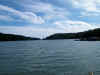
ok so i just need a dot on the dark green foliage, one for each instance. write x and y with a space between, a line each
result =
90 33
12 37
62 36
87 35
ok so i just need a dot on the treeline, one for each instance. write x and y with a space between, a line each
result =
13 37
90 33
61 36
86 35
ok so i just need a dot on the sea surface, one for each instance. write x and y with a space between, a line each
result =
49 57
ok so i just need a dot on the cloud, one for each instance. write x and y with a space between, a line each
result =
74 26
90 7
30 31
87 5
44 18
68 26
28 16
35 13
6 18
89 14
31 9
50 11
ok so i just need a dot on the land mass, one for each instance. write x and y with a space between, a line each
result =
90 35
13 37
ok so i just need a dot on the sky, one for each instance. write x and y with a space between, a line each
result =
41 18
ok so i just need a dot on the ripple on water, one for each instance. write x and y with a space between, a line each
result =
57 57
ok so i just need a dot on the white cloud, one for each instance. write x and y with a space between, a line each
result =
90 7
29 16
6 18
89 14
30 31
74 26
33 17
87 5
50 11
39 12
68 26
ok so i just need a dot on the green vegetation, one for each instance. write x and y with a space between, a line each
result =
91 35
61 36
12 37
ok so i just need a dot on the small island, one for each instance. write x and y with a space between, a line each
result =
13 37
90 35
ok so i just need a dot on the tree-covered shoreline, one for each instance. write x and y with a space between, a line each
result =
13 37
90 35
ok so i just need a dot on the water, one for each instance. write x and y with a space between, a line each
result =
49 57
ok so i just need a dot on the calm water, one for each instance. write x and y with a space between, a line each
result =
49 57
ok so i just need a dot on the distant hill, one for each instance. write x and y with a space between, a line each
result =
90 35
61 36
13 37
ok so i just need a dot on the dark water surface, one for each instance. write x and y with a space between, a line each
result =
49 57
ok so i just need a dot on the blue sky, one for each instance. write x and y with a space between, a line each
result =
40 18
